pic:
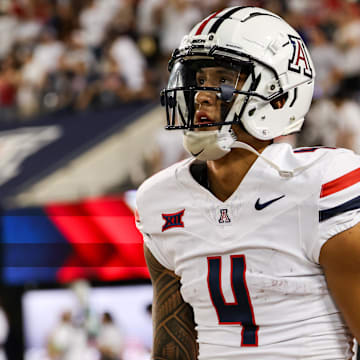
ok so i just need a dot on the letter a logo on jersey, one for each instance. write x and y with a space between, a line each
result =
299 62
224 217
173 220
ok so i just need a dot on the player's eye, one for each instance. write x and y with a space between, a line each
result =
200 81
228 80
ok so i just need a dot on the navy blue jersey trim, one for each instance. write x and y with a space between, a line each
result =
311 149
347 206
221 19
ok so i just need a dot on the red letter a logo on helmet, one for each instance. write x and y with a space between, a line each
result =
299 62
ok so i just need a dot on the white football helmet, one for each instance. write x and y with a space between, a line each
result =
246 40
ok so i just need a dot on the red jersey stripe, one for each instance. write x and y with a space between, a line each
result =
340 183
203 24
137 216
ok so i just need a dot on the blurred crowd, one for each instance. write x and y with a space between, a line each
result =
71 340
63 55
82 331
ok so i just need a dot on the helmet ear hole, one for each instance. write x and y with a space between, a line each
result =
279 102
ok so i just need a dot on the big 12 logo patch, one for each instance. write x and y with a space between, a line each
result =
300 62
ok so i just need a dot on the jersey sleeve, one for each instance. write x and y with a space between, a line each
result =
339 201
155 243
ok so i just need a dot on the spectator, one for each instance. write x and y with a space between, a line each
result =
29 26
106 89
48 51
39 64
334 122
60 339
76 66
112 85
145 21
92 25
305 7
347 113
168 13
69 342
8 25
94 20
321 126
63 19
9 79
31 82
326 57
110 340
129 61
347 37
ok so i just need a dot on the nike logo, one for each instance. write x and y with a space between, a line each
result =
198 153
259 206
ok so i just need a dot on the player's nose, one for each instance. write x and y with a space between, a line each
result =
205 97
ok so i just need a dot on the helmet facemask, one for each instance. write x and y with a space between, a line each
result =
228 81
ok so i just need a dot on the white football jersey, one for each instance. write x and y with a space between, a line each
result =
249 266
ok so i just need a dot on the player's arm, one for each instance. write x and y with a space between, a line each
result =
173 320
340 259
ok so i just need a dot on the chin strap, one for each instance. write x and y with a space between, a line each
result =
213 145
282 173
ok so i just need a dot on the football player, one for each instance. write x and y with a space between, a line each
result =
253 247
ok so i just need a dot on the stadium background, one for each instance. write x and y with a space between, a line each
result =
81 128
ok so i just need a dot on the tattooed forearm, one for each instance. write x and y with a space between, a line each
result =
174 326
175 337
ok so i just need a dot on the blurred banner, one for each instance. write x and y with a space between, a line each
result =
30 152
94 239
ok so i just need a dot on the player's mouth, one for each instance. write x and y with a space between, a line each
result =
202 118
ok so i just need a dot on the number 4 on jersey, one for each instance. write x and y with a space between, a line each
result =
241 311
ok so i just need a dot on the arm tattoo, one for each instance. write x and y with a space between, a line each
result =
173 319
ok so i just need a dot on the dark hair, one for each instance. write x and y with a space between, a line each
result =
107 317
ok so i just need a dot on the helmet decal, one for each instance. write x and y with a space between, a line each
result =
204 23
219 20
300 59
294 99
252 15
222 18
